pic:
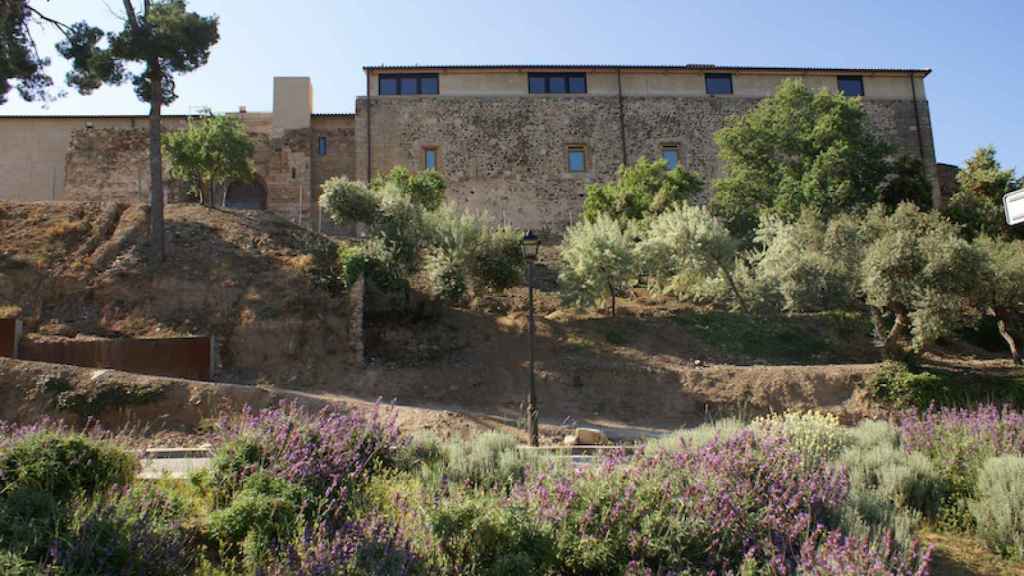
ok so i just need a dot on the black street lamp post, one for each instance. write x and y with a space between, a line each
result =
530 246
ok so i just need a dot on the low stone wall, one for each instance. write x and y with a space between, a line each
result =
189 357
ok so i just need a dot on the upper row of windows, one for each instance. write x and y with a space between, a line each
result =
572 83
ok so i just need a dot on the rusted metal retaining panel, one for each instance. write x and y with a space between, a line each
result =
187 357
10 334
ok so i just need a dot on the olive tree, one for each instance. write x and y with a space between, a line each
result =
1000 292
685 248
598 261
641 190
209 154
409 230
469 255
812 264
920 272
395 226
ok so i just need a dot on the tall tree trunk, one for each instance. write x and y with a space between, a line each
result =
1002 316
732 285
156 171
892 347
611 291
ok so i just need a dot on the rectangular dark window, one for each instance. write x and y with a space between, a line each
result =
851 85
718 83
558 83
670 154
577 159
408 84
388 86
428 85
321 146
430 158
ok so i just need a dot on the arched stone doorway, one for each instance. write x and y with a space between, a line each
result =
247 195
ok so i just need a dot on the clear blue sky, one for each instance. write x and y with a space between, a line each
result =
976 49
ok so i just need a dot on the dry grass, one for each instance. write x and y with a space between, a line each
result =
67 229
961 555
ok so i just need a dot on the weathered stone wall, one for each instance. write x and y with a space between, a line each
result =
507 155
111 164
339 160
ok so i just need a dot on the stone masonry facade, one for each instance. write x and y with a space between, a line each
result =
506 156
502 150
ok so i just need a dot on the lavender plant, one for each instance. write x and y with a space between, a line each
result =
958 441
705 508
331 454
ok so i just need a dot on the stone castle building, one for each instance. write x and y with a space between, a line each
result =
520 142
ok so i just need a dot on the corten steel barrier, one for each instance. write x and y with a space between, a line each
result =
189 357
10 334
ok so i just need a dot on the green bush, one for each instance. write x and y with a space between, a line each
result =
873 433
422 448
467 254
138 531
889 489
490 460
425 189
695 437
896 385
998 506
349 202
64 465
481 535
641 190
13 565
817 436
30 519
264 513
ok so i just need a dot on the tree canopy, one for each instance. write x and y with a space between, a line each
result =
598 262
409 228
21 67
919 270
978 204
163 40
797 150
685 249
640 190
211 153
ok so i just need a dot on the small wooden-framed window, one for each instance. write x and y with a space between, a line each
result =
577 157
670 154
430 158
321 146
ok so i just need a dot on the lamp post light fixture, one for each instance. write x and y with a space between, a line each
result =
530 246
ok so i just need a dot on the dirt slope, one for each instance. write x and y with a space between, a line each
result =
81 269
